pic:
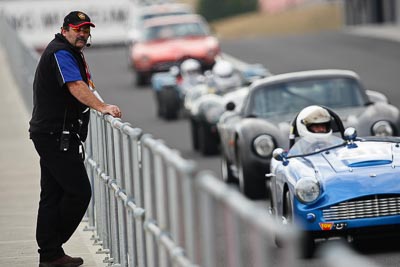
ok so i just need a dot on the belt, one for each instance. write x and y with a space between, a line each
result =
50 134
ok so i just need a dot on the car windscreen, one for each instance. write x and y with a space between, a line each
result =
293 96
304 146
175 31
163 14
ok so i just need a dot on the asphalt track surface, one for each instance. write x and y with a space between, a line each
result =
376 61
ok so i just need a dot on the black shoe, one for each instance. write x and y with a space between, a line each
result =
64 261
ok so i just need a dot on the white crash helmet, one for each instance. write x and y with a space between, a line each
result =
313 115
225 76
223 69
190 67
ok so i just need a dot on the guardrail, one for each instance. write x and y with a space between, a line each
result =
22 60
154 208
151 207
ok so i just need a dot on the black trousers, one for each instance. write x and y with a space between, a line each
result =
64 197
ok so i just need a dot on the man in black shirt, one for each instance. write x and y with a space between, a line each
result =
62 95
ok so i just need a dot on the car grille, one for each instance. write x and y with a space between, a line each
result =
367 207
164 66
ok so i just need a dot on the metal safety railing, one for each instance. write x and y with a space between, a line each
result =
152 207
22 60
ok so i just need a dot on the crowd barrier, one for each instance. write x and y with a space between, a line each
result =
155 209
151 207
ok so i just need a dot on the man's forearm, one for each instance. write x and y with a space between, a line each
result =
81 91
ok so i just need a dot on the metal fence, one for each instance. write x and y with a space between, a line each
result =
151 207
154 209
22 60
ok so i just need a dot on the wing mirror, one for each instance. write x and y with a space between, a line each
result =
350 135
280 155
230 106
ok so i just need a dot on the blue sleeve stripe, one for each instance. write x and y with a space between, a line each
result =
68 66
59 69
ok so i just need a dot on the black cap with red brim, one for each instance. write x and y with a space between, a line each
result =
77 19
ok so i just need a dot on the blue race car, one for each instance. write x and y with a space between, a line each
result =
349 188
168 93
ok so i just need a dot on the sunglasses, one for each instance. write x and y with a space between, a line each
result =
77 30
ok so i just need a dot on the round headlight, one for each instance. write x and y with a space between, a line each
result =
382 128
307 189
264 145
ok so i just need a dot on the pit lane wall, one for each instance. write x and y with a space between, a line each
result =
151 207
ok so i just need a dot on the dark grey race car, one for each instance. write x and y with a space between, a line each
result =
249 136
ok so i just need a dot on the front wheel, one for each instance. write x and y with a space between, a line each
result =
194 134
141 79
307 243
169 103
227 175
251 184
158 102
208 142
288 209
287 216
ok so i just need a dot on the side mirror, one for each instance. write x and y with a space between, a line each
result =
230 106
279 154
350 134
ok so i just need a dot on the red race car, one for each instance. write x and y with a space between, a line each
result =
167 41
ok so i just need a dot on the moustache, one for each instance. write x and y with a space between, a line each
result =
81 39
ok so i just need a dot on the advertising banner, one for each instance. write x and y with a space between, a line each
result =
37 21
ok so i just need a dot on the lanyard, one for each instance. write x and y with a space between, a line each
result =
88 75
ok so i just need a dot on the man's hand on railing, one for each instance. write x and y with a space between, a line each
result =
89 97
113 110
